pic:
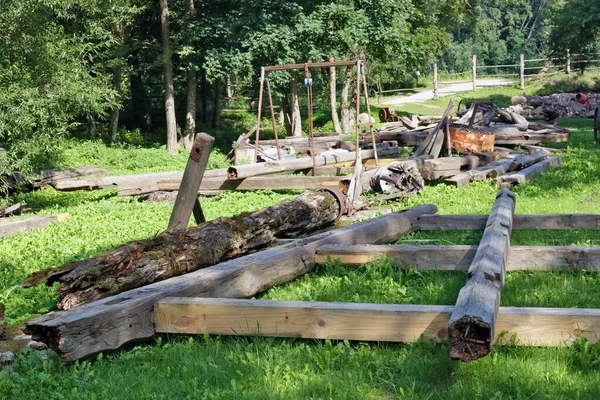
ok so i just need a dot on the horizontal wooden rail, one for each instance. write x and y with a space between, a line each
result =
498 66
521 221
365 322
310 65
458 258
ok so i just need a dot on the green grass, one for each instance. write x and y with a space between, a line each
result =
171 367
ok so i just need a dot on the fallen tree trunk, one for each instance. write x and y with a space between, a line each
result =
182 251
109 323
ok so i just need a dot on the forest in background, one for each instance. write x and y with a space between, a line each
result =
75 66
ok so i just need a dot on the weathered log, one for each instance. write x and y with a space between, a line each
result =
179 252
525 160
471 329
531 171
110 323
327 158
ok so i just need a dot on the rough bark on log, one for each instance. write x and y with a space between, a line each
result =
182 251
109 323
471 329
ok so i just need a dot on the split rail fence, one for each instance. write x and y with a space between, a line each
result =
522 71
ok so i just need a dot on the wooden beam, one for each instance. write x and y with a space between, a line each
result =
323 64
472 326
459 258
364 322
187 195
9 226
531 171
520 221
111 322
253 183
448 166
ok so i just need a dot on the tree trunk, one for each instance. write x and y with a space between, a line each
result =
190 116
230 89
203 97
348 109
179 252
286 113
114 112
168 79
296 119
192 86
333 99
216 117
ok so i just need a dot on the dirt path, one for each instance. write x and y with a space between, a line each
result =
445 90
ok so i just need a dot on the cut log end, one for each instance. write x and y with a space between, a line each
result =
469 339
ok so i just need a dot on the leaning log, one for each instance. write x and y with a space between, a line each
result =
182 251
109 323
471 330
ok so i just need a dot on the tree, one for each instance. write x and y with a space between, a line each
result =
168 78
575 26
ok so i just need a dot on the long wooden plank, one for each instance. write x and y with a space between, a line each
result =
364 322
520 221
9 226
113 321
459 258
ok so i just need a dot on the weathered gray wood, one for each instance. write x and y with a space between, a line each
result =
111 322
459 258
13 209
492 169
187 195
9 226
471 329
327 158
448 166
253 183
525 160
520 221
365 322
531 171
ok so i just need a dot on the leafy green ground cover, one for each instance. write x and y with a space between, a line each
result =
172 367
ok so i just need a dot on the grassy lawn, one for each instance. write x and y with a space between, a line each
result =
203 367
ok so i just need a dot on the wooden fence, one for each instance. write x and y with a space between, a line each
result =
526 69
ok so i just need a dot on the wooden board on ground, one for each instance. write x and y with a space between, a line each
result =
9 226
365 322
459 258
520 221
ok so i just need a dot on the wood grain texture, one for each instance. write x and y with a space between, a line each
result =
520 221
109 323
459 258
472 326
365 322
187 194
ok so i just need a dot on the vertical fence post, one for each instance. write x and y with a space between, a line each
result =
474 67
568 67
435 82
522 73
